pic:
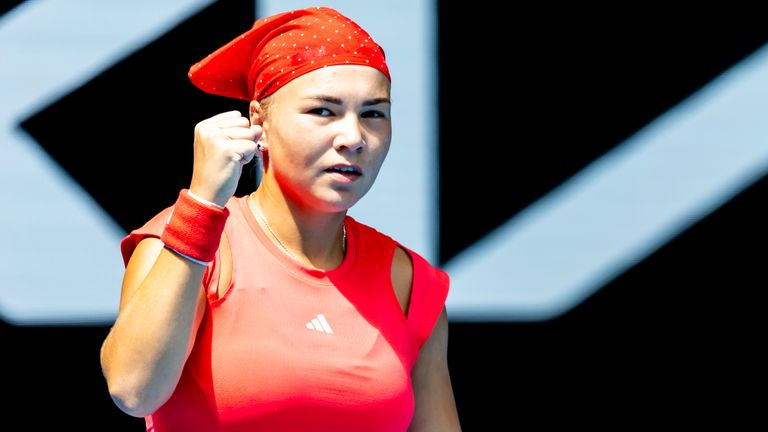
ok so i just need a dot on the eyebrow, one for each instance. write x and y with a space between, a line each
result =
337 101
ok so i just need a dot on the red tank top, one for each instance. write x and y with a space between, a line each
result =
292 348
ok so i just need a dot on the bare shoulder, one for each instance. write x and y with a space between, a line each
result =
140 263
402 277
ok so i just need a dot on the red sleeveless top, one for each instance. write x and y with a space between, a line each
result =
292 348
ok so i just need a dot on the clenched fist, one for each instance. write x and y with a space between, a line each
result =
223 144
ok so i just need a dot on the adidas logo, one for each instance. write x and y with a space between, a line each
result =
320 324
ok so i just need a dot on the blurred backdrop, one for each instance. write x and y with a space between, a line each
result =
593 179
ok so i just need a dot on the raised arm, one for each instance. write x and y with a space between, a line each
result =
162 301
161 306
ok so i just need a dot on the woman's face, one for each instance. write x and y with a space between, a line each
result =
328 132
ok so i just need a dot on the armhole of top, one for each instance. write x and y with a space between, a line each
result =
393 270
428 295
221 277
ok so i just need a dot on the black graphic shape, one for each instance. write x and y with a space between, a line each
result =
529 98
126 136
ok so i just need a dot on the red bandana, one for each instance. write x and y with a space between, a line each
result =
282 47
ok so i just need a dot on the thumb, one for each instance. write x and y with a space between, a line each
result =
258 129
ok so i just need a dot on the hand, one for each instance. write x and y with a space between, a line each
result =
223 144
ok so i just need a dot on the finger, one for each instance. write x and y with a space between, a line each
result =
244 149
224 119
230 118
232 122
224 115
243 146
242 133
247 158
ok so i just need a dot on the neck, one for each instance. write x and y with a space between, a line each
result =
312 237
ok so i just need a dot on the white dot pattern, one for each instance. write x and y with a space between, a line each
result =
335 40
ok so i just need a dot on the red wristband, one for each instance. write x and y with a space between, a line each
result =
194 229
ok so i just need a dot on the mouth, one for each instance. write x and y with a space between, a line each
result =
346 172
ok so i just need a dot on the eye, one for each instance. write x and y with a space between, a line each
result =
322 112
374 114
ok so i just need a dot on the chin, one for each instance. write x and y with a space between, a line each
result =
338 202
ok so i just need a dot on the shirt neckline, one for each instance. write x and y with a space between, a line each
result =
302 270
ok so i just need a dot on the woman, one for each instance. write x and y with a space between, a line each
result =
276 311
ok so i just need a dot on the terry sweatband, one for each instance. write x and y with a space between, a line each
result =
194 229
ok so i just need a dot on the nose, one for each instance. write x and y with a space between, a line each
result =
350 135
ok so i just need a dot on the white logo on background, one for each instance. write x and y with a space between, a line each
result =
320 324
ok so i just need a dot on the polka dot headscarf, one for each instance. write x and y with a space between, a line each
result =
284 46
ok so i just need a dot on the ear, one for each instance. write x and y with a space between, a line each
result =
256 112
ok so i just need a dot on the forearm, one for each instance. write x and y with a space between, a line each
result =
144 354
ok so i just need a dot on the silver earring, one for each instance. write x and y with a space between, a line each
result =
259 147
